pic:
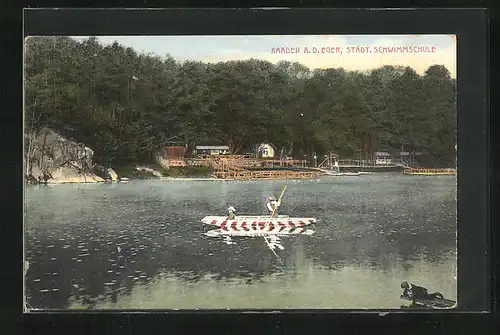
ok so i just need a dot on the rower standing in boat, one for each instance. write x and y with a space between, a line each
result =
232 214
273 206
418 292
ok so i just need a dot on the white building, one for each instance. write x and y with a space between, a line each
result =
212 150
383 158
266 150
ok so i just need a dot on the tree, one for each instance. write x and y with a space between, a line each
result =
124 104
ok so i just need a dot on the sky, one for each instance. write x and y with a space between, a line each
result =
224 48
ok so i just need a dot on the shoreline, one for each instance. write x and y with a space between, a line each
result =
185 178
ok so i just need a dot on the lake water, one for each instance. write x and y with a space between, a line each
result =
141 245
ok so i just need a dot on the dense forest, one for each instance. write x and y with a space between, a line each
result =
124 105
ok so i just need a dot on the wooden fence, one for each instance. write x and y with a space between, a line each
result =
270 174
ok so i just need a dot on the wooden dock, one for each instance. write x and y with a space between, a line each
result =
229 169
269 174
428 172
243 161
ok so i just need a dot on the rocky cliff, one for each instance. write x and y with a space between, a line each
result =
51 158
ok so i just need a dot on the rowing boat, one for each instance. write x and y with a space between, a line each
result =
257 221
431 303
270 227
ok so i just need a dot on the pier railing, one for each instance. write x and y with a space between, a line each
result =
360 163
269 174
242 161
231 169
424 171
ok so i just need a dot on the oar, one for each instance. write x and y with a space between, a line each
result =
279 200
274 252
267 223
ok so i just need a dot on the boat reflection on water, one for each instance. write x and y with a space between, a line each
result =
273 240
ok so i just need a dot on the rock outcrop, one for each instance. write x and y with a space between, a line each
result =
106 172
51 158
111 174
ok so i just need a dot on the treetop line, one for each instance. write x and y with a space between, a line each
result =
124 105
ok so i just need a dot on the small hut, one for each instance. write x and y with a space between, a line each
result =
175 149
267 150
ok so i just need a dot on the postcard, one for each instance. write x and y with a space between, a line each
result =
240 172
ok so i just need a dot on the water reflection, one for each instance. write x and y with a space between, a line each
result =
141 245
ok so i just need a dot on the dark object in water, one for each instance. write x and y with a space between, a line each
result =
430 303
420 297
418 292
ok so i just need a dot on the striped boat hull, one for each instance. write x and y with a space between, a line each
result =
253 223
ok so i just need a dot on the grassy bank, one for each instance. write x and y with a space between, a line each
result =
130 171
189 171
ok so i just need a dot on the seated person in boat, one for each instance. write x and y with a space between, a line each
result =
418 292
273 206
232 212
